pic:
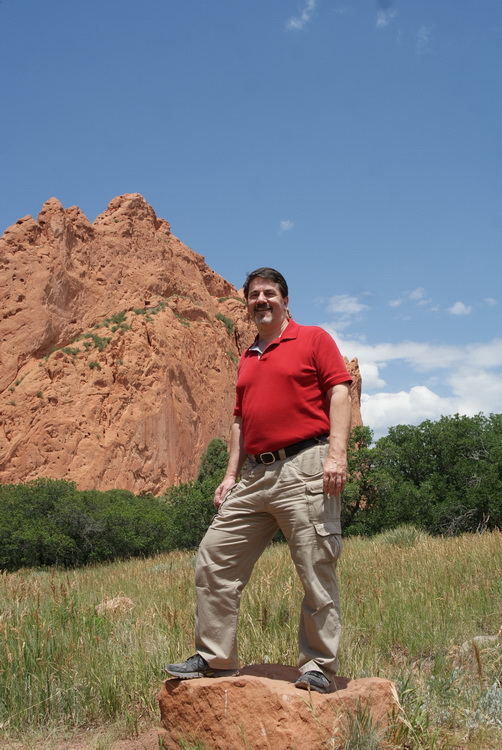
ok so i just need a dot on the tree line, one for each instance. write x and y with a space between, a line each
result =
444 477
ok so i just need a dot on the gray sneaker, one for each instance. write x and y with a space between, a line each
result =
197 666
313 681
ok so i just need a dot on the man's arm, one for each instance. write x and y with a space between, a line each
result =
335 466
235 462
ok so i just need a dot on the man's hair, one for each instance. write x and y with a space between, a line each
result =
266 273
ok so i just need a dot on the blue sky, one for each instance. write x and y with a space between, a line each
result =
354 145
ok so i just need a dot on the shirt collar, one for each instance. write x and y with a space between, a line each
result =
290 332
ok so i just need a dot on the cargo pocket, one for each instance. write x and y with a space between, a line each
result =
315 499
329 541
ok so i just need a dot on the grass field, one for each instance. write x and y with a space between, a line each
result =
412 606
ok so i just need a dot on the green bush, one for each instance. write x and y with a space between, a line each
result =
190 505
229 324
50 522
190 510
214 462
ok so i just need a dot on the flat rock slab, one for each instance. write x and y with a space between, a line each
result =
260 709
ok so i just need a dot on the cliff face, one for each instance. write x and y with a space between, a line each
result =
118 349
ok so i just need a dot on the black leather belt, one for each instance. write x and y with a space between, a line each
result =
270 457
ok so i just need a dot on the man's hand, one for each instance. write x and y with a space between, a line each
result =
222 491
235 462
335 474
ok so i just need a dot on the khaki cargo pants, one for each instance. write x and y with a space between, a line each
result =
287 495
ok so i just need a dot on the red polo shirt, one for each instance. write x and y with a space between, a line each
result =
281 396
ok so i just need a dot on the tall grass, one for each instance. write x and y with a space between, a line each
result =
410 613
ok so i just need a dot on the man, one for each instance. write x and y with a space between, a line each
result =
289 440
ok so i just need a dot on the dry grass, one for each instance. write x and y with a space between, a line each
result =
410 614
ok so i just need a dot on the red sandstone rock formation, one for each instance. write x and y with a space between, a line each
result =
261 709
355 391
118 350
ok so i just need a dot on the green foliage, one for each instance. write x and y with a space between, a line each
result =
100 342
90 340
213 462
119 317
71 351
50 522
229 324
118 320
115 322
444 477
161 305
184 321
191 505
238 299
190 511
233 358
94 366
365 486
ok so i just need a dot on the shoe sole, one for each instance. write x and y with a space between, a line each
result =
308 686
198 675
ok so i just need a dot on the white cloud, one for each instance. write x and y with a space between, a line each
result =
477 390
469 375
460 309
342 324
471 393
384 17
417 293
371 376
383 410
421 356
423 37
299 22
285 226
346 305
441 379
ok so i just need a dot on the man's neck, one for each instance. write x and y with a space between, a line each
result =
266 334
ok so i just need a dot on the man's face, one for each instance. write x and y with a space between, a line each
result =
266 304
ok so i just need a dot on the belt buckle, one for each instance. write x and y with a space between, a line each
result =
267 453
